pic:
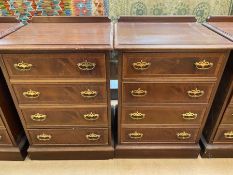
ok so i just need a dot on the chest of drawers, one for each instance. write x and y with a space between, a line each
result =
169 70
13 142
57 69
217 137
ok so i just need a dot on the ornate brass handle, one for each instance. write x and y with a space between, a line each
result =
89 93
31 94
44 137
91 116
38 117
189 116
86 66
195 93
139 93
142 65
183 135
203 65
93 137
137 116
228 135
23 66
135 135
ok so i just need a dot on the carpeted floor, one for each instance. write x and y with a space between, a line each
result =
120 167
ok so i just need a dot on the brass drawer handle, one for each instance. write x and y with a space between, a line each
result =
38 117
139 93
31 94
135 135
183 135
93 137
137 116
91 116
228 135
203 65
89 93
142 65
0 137
23 66
189 116
44 137
86 66
195 93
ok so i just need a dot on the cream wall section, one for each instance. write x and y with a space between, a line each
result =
200 8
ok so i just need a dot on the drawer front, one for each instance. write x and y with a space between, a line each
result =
80 65
184 115
86 93
162 135
52 117
142 93
77 136
4 138
228 116
146 65
224 135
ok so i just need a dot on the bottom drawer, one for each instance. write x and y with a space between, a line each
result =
224 135
4 138
158 135
76 136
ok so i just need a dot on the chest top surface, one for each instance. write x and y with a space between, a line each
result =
222 25
61 33
160 34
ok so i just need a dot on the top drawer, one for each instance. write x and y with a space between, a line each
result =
78 65
147 65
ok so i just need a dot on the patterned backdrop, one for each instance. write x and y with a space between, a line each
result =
25 9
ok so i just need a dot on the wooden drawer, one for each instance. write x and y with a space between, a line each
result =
52 117
69 93
75 136
155 135
4 138
147 93
224 135
78 65
228 116
147 65
167 115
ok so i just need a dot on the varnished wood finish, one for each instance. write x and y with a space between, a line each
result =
67 37
68 93
158 135
4 138
166 36
13 143
71 136
65 76
44 66
65 117
165 93
158 19
216 138
163 115
172 65
164 65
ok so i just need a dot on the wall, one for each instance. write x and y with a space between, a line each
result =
24 9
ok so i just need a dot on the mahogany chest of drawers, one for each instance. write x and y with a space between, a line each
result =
217 137
57 69
169 71
13 142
